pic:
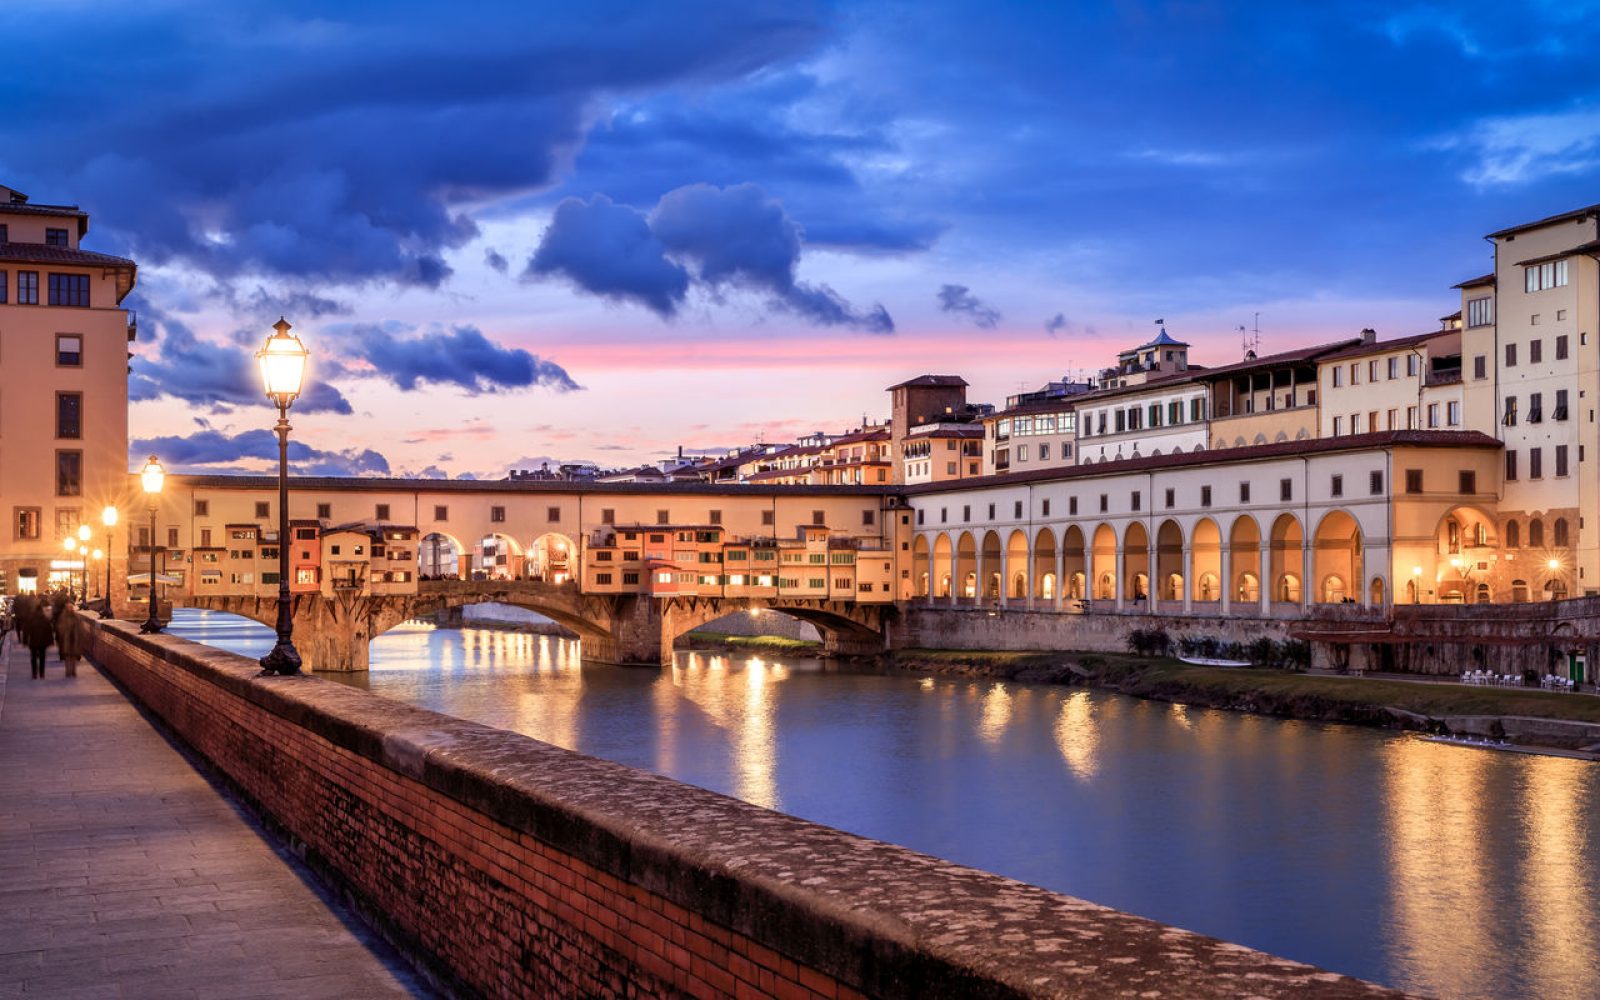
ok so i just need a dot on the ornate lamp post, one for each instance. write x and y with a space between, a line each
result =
108 517
97 555
283 368
152 476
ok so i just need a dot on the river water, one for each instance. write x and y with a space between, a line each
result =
1448 871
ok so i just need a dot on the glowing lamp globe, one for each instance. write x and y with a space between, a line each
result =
283 365
152 476
108 517
83 532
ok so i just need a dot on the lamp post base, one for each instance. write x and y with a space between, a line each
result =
151 626
284 659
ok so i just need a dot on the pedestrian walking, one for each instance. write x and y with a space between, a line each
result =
38 634
68 644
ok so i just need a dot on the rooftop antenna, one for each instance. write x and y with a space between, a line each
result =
1250 339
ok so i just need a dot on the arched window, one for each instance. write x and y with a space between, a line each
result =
1513 535
1519 591
1561 532
1536 534
1483 593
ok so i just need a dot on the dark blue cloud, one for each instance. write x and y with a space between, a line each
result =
608 250
209 448
496 260
337 144
959 299
735 237
460 356
207 374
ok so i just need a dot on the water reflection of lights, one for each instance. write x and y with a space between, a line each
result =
1076 735
996 714
1180 715
927 684
1443 923
739 698
1563 950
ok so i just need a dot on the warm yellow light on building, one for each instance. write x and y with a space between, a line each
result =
1555 564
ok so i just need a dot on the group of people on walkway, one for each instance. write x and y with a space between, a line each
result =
42 621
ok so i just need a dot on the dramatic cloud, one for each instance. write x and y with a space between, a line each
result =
959 299
210 447
734 237
207 374
608 250
461 356
338 144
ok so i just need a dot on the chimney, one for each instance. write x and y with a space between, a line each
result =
1369 336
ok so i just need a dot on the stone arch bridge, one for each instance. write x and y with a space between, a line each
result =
332 633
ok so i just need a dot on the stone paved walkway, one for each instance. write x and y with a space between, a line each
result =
125 873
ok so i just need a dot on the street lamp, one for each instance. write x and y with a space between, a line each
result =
108 517
83 549
152 476
97 555
71 545
283 368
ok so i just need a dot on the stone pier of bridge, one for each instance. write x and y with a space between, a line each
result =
333 633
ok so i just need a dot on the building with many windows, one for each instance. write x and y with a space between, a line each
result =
63 389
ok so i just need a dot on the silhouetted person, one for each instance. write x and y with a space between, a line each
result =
38 634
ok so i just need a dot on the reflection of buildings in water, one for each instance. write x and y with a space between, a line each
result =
996 713
1439 866
741 700
1180 715
1563 957
1076 734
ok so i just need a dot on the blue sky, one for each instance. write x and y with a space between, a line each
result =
599 231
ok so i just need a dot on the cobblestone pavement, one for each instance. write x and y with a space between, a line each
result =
125 873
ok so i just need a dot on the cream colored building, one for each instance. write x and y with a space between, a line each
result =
1158 416
63 390
1409 383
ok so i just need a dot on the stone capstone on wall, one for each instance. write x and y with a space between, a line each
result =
513 867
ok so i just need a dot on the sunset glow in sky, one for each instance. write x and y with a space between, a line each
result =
514 232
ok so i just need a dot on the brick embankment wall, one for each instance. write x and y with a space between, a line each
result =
1039 631
514 868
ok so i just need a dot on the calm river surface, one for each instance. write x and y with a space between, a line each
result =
1447 871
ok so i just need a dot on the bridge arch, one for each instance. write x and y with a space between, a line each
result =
552 558
497 557
439 554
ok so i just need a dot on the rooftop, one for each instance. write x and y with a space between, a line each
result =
1352 442
1382 346
928 380
40 253
1576 214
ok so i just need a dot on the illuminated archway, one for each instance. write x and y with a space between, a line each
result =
1244 556
922 571
1136 562
552 558
1044 564
1337 555
1105 563
1286 547
941 564
1169 561
1206 549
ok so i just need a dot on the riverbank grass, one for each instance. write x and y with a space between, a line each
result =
752 643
